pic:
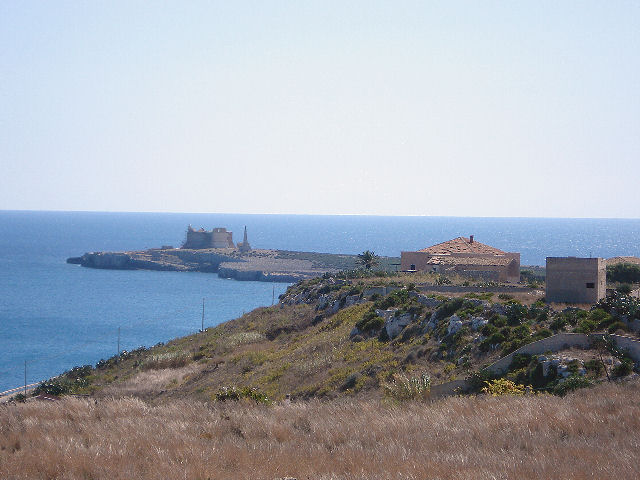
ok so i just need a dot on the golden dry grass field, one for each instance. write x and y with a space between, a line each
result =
589 434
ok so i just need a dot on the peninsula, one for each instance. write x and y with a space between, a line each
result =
214 251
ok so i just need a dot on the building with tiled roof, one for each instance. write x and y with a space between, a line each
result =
465 256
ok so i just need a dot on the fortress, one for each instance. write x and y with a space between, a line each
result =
216 238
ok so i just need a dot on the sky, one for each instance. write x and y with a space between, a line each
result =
454 108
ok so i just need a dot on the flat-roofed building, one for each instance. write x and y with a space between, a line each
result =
576 280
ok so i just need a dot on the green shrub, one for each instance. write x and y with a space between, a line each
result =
586 325
521 331
404 388
516 313
614 327
594 366
351 382
236 394
498 321
448 308
489 329
520 360
540 334
370 321
513 345
558 323
623 272
394 299
623 369
502 386
624 289
53 387
573 366
495 339
571 384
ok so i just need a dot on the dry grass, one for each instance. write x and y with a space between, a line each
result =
589 434
150 382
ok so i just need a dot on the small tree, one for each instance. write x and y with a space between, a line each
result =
368 259
624 289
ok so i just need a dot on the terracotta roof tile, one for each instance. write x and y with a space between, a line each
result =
461 245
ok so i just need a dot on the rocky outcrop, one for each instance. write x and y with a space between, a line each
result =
107 260
396 323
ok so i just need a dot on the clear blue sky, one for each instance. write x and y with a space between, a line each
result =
392 108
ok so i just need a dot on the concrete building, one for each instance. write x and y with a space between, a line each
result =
216 238
576 280
467 257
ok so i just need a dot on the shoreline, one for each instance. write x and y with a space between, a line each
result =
257 265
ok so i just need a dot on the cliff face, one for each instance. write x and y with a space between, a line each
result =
115 261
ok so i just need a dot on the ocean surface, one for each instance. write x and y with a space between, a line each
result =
54 316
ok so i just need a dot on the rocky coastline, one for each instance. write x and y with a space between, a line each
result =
256 265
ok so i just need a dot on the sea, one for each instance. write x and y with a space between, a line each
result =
54 315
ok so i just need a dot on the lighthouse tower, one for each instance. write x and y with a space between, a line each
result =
244 247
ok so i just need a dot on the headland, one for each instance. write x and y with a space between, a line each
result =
256 265
214 251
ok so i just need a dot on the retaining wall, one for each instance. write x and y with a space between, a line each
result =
471 289
450 388
560 341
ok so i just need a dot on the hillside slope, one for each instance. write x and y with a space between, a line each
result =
339 337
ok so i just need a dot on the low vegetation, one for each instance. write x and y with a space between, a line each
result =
250 398
333 337
623 273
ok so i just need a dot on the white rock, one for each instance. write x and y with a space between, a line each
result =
478 322
323 302
386 314
352 300
455 324
396 324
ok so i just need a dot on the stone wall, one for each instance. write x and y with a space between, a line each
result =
562 341
453 387
558 342
216 238
471 289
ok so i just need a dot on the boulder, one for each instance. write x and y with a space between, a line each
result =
335 306
478 322
455 324
352 300
323 302
386 314
382 291
431 323
395 324
428 302
499 309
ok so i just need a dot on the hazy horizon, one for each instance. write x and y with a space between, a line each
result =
527 109
314 214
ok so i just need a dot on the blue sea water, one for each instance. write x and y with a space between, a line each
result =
54 315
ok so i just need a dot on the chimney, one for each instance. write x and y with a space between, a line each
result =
470 238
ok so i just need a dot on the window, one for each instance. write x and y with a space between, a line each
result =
591 285
413 267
